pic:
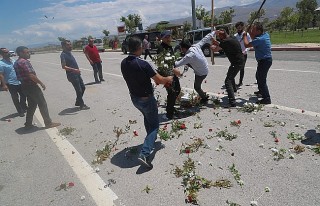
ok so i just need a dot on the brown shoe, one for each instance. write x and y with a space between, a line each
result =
53 124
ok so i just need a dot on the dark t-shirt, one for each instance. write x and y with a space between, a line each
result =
70 61
232 49
137 73
164 46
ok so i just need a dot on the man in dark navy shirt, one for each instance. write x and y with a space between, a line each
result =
232 49
68 63
138 74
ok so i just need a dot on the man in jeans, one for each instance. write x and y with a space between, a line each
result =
195 58
29 84
137 73
68 63
262 48
94 59
10 82
233 51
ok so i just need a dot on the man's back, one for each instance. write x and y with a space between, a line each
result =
232 49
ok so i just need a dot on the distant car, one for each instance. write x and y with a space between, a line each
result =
152 39
196 35
12 53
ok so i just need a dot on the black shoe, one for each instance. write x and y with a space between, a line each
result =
102 80
29 127
145 161
84 107
169 117
263 101
239 85
77 104
204 100
257 93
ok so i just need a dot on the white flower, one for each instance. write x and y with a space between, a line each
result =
82 197
241 182
168 54
199 163
261 145
219 140
309 147
97 169
274 150
165 66
282 124
267 189
254 113
291 156
218 149
254 203
252 119
167 58
162 62
245 104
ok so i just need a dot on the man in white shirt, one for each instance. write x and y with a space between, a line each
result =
239 35
195 59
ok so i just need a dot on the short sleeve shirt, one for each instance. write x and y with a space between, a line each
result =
68 59
262 46
93 53
23 68
137 73
6 68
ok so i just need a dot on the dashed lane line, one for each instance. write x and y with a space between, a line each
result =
93 183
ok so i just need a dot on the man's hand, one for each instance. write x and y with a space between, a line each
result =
176 72
76 71
4 87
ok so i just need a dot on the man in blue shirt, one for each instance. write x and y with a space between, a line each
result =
68 63
262 47
10 82
137 73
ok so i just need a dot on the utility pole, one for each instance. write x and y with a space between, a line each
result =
193 4
212 28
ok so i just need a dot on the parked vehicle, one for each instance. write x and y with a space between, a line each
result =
152 39
196 35
12 53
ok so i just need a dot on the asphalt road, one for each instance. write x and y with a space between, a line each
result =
34 164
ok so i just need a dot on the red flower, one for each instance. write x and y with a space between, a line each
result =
205 81
135 133
189 198
276 139
302 111
183 126
167 85
238 121
210 130
71 184
187 151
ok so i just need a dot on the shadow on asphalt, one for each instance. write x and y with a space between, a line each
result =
23 130
10 116
128 158
312 136
69 111
91 83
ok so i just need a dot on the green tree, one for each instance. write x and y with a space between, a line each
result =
285 16
186 27
201 14
254 15
306 10
131 22
226 16
106 32
61 39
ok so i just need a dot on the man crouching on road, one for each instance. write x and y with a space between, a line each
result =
137 74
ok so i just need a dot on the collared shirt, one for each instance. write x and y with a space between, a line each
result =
195 57
23 68
165 47
68 59
239 37
93 53
262 46
137 73
6 67
145 44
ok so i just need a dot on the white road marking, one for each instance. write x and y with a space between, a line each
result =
88 177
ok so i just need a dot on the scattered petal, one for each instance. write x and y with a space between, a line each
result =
82 197
253 203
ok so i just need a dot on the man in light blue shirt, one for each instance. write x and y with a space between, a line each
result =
10 82
195 58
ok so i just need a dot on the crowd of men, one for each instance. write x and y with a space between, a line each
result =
19 77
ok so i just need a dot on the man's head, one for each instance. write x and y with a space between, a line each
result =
5 53
91 41
146 36
239 26
135 46
222 34
66 45
256 29
185 45
23 52
166 37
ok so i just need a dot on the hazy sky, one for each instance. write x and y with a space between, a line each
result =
26 22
